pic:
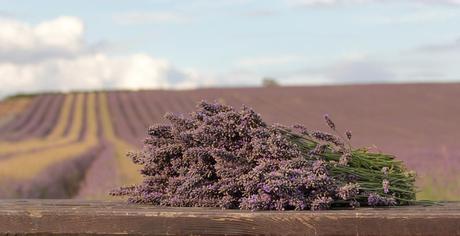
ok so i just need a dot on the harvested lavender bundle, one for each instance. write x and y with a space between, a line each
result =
221 157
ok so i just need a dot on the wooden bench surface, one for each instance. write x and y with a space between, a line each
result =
105 217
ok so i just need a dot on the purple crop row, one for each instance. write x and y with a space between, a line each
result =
23 117
100 175
43 121
37 121
84 127
131 117
71 117
134 112
34 122
61 180
50 119
123 128
48 124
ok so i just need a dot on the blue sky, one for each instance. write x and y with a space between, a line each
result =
65 45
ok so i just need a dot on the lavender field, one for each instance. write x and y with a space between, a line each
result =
73 145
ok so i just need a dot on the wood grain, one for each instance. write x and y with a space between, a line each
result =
36 217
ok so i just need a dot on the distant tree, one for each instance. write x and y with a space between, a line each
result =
269 82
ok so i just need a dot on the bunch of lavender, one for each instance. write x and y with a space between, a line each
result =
374 179
220 157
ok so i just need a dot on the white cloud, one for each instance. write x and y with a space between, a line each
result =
61 34
432 63
137 17
344 71
53 55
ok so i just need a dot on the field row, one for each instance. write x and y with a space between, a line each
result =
55 163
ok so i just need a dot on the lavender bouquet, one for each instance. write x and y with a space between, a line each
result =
221 157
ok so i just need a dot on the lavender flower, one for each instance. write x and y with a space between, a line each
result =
344 159
354 204
321 203
348 134
376 200
302 129
326 137
348 191
318 150
329 122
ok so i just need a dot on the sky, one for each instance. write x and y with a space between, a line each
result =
164 44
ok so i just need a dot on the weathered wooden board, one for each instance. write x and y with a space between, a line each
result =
94 217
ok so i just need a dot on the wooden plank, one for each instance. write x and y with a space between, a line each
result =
96 217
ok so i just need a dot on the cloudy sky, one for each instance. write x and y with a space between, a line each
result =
68 45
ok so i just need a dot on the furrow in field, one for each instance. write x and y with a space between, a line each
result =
128 171
14 105
24 168
129 114
56 137
172 102
59 180
84 127
159 103
23 118
122 126
35 121
146 103
10 109
44 121
51 118
184 102
111 168
102 175
140 114
155 108
64 122
70 117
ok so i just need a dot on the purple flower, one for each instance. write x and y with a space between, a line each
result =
376 200
321 203
348 134
329 121
326 137
344 159
348 191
